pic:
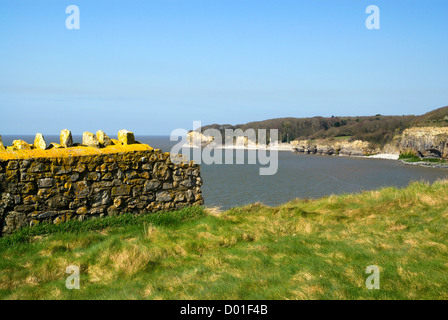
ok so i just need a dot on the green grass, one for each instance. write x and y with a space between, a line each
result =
412 157
80 227
409 157
305 249
436 160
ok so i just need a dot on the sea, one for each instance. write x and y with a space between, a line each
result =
298 175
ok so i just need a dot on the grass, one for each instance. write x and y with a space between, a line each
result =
412 158
409 157
305 249
436 160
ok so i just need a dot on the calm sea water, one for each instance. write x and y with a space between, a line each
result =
298 176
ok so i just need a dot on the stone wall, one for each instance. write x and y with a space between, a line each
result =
57 185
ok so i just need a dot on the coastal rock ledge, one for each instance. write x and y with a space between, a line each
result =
326 147
430 142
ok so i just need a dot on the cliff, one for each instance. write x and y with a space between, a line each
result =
333 147
426 141
197 139
429 142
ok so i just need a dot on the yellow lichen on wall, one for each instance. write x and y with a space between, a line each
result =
71 152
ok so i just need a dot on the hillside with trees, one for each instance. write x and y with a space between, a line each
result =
378 129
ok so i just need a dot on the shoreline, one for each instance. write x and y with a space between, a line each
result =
395 157
282 148
381 156
426 164
385 156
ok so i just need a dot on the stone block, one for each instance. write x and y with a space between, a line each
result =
126 137
66 139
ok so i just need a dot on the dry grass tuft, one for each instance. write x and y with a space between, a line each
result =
214 211
150 231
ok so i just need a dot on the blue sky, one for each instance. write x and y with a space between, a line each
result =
153 66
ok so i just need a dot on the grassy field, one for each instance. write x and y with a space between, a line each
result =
316 249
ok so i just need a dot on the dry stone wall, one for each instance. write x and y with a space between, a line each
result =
83 182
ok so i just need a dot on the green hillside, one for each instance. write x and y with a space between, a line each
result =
377 129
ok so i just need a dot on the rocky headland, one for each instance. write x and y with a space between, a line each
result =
420 137
422 142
